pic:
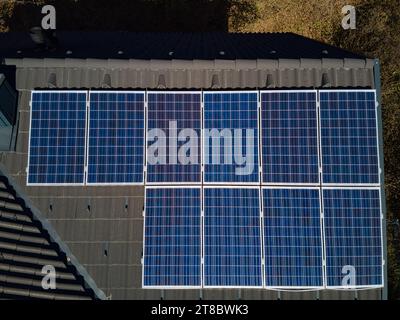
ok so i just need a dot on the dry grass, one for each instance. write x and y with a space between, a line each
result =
312 18
6 11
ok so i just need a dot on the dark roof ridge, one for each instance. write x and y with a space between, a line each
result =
171 45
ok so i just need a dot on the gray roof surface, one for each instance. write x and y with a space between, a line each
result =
280 73
103 226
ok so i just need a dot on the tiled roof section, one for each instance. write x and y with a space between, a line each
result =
25 248
169 46
38 73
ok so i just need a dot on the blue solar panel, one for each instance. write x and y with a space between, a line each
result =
353 236
231 137
172 117
57 137
232 237
349 137
172 245
292 238
289 137
116 137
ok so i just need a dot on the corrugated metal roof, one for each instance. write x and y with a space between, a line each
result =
276 74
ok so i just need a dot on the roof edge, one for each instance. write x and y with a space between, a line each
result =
218 64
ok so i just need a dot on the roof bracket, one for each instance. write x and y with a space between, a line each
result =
270 83
52 80
161 83
215 84
106 81
325 81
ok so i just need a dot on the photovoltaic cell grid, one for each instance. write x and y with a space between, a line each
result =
231 153
292 238
349 137
291 223
172 245
57 138
289 137
171 113
116 138
353 236
232 238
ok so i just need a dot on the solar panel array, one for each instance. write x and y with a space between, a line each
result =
179 115
232 238
353 237
349 137
57 138
289 137
172 250
116 138
292 238
292 202
231 137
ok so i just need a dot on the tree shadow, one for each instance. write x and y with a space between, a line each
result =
139 15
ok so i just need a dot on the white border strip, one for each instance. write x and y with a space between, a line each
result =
144 235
